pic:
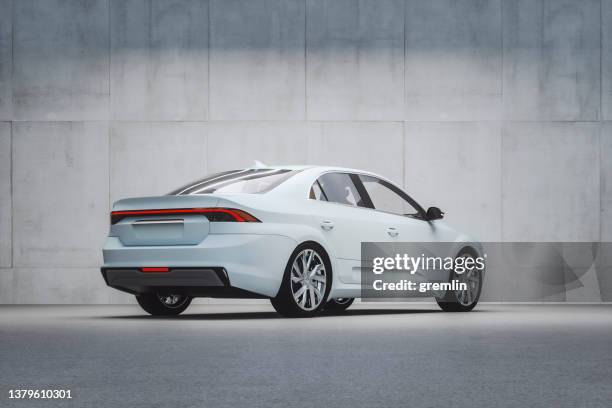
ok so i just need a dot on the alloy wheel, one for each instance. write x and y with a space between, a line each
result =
171 300
308 280
471 277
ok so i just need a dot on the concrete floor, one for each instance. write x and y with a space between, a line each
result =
375 356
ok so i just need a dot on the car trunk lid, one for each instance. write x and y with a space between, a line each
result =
163 220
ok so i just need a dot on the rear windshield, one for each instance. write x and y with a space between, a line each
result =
251 181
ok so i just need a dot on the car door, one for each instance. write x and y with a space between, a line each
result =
408 220
344 213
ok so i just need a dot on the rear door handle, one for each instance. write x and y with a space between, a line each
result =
392 231
327 225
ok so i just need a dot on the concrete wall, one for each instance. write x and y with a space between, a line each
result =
498 111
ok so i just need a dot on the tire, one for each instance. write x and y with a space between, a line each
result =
337 305
461 301
160 304
304 295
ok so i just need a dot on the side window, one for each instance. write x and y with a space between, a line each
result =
337 188
316 193
385 197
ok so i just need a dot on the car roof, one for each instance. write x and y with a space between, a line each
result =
321 169
309 173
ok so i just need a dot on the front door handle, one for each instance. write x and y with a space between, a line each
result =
327 225
392 231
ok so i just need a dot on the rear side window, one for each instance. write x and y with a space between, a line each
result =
316 192
250 181
337 188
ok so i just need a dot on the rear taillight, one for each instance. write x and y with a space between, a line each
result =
156 269
213 214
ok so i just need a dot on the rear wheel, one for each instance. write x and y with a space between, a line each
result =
163 304
463 300
338 304
306 282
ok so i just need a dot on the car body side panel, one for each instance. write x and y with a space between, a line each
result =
297 233
351 226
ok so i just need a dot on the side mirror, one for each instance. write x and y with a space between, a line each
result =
434 213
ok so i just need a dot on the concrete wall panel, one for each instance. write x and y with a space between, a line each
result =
59 286
6 60
550 180
585 287
233 145
551 59
159 60
257 59
61 51
373 146
6 286
117 297
6 238
456 166
155 158
606 63
524 285
453 60
355 59
604 276
606 182
60 193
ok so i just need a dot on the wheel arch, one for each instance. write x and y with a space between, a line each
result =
474 248
326 254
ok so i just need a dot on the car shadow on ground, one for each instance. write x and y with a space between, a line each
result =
271 315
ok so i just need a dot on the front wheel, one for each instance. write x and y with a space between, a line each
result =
463 300
163 304
306 282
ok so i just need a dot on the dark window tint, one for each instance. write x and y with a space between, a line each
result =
339 188
386 197
253 181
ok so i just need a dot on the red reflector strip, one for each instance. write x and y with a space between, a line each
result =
237 215
156 269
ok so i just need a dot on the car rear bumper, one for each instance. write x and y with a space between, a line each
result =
229 265
212 282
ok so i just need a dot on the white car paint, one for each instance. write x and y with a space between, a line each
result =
255 254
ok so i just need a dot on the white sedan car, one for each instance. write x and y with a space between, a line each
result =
291 234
